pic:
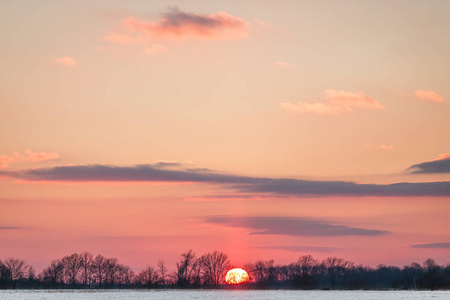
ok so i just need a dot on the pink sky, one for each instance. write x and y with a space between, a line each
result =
264 130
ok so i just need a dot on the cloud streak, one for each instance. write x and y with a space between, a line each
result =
308 249
292 226
282 65
429 96
337 102
176 25
173 172
431 246
440 165
26 156
66 60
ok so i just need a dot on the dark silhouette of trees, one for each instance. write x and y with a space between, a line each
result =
433 276
185 269
71 265
86 259
162 271
83 270
214 266
336 269
99 269
125 275
148 278
4 276
14 270
263 272
111 274
53 274
306 271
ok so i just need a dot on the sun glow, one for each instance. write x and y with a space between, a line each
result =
236 276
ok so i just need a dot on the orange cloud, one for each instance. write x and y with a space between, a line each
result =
5 161
263 24
178 25
155 49
439 165
443 156
386 147
66 60
429 96
373 148
27 156
338 102
283 65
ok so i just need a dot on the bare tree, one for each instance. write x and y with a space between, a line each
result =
17 270
148 277
196 279
185 268
214 266
72 265
111 268
53 274
162 271
31 273
335 268
125 275
306 267
99 269
4 276
86 259
263 271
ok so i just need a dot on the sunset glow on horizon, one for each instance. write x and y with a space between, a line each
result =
236 276
266 130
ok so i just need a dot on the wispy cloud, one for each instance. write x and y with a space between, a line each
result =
440 165
431 246
178 25
443 156
386 147
293 226
263 24
429 96
308 249
243 184
376 148
337 102
66 60
26 156
166 163
231 197
282 65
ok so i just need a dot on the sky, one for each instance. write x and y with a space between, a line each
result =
264 129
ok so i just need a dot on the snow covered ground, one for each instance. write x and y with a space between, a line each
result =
218 295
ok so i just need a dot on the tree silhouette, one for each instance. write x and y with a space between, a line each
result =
162 271
148 277
83 270
16 269
214 266
185 269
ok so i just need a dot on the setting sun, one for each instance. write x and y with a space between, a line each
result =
236 276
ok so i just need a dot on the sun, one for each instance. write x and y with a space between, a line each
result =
236 276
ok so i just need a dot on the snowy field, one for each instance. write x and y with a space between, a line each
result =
219 295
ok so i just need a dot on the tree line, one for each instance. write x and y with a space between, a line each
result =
86 271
